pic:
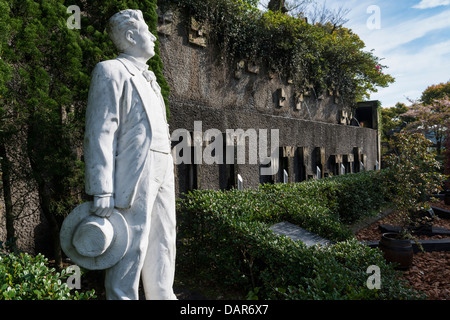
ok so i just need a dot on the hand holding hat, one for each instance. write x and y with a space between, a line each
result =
92 241
103 205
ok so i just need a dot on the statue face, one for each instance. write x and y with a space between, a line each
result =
144 45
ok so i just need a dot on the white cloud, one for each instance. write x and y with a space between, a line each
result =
393 36
414 67
414 72
403 42
426 4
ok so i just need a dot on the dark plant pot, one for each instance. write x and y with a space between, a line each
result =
396 250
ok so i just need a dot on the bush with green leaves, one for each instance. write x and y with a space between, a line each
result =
341 272
349 197
413 175
225 237
24 277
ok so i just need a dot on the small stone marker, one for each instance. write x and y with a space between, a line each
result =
298 234
240 182
285 176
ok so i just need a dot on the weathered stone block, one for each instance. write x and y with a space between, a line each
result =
198 34
252 67
165 22
281 98
288 151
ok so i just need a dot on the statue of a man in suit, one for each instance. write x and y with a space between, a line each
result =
129 166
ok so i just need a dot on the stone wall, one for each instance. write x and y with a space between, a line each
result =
30 225
198 73
315 129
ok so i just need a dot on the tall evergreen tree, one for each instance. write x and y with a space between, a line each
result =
46 63
44 81
5 120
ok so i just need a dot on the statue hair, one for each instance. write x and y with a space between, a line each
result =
120 23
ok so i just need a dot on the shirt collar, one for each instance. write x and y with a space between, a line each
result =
139 65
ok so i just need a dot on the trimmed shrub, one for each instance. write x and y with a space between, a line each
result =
225 237
24 277
355 196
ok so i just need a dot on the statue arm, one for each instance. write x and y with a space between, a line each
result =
102 122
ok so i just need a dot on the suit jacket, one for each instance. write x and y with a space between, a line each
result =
120 116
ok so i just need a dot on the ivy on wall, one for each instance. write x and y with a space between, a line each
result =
321 57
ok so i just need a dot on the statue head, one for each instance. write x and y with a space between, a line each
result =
130 34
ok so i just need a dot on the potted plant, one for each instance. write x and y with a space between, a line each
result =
413 174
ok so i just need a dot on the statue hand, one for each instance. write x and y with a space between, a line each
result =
103 206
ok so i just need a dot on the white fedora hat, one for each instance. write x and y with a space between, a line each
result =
93 242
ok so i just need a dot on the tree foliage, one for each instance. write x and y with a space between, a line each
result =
431 119
435 92
447 161
40 116
414 174
322 56
44 82
392 120
431 114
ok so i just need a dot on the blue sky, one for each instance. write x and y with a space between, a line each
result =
413 39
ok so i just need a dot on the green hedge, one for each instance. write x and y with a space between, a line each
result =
26 277
352 196
224 237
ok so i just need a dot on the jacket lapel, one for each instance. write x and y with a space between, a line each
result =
142 87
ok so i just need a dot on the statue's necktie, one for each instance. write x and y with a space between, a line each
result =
150 77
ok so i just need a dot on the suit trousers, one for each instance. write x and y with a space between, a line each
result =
152 232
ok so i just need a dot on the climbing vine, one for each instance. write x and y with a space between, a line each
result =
312 56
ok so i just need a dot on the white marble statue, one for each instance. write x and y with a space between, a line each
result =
129 167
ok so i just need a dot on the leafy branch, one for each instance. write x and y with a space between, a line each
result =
323 56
